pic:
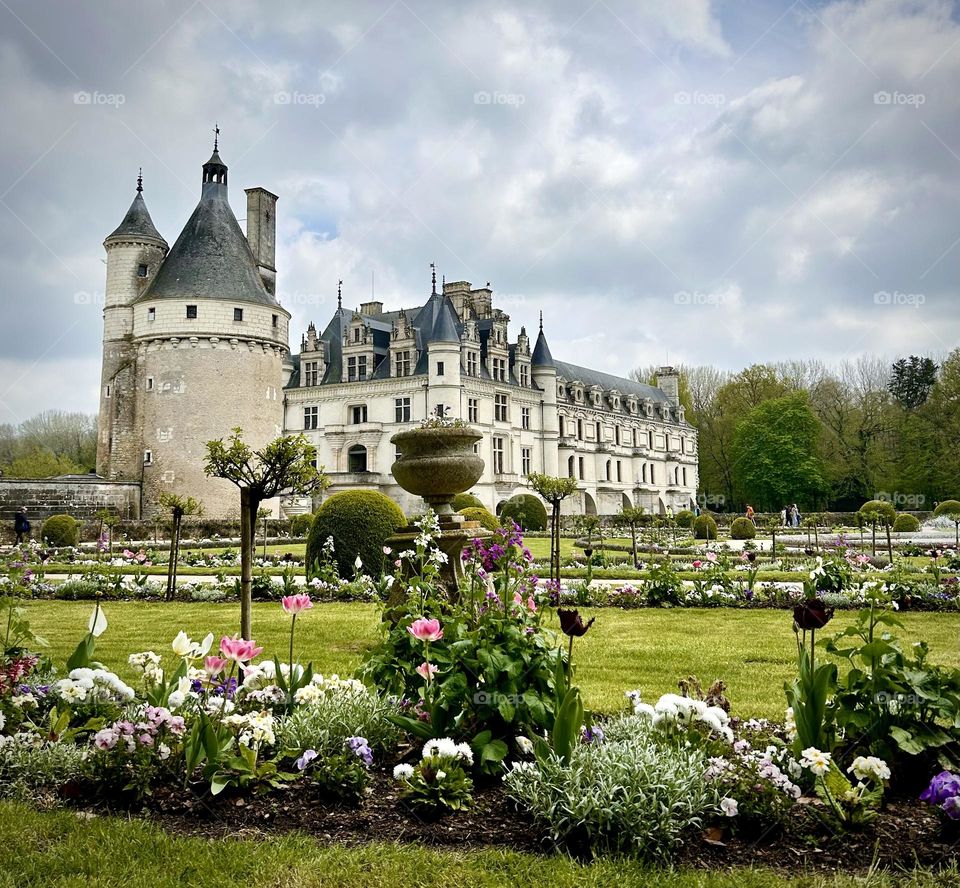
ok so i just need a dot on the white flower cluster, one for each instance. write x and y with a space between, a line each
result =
815 761
672 712
254 729
444 747
770 764
790 724
90 685
147 663
870 768
321 688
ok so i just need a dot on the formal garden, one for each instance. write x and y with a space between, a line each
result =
458 697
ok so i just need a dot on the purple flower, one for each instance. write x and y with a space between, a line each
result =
592 734
951 807
359 747
943 787
308 756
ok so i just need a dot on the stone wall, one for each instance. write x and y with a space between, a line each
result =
79 497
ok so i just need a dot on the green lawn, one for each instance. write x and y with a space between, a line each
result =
59 850
752 651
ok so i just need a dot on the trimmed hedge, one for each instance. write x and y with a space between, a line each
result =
885 511
704 528
300 525
527 510
359 522
684 518
61 530
488 521
466 501
906 524
742 529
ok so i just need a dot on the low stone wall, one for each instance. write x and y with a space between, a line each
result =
80 497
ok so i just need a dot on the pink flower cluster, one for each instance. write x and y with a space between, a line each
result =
142 733
239 650
294 604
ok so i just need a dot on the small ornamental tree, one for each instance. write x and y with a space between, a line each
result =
879 512
178 506
950 509
284 466
631 517
554 491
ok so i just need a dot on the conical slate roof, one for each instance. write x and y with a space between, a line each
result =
446 324
211 259
541 352
137 224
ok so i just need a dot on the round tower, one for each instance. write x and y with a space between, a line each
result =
134 253
211 342
544 374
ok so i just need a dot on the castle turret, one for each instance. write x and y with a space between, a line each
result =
135 250
441 332
545 377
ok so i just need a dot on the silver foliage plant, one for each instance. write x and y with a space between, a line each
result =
634 792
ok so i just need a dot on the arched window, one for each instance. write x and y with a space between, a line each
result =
609 464
357 458
570 466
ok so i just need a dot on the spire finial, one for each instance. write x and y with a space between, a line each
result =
433 276
541 321
139 180
216 135
339 295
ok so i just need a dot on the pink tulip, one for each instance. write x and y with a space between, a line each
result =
697 564
427 671
517 599
531 605
425 630
214 665
239 650
293 604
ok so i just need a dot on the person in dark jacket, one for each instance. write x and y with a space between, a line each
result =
21 526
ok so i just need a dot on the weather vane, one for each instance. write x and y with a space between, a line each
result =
339 295
139 180
216 135
433 276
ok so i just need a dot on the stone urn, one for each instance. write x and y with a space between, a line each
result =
437 464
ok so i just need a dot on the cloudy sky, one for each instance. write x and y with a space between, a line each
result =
680 180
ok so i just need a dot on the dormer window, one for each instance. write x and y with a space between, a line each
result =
356 334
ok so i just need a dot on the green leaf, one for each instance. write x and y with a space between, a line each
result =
82 656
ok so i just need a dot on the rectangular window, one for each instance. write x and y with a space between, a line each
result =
149 383
580 466
498 456
619 471
238 314
351 369
191 312
499 369
473 410
148 457
653 478
311 373
141 271
356 334
616 435
525 417
599 433
524 375
402 409
359 413
650 440
106 391
525 460
500 408
151 314
311 417
275 321
439 368
402 363
473 364
362 368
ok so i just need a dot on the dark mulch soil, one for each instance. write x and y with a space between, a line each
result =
906 834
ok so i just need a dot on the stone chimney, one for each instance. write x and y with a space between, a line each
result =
262 234
668 381
371 308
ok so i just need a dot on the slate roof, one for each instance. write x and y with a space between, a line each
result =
541 352
137 223
608 381
212 258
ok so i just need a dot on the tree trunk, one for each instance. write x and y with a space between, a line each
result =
889 541
248 526
873 539
172 561
555 543
633 539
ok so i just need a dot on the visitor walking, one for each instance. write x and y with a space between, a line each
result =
750 514
783 516
795 512
21 526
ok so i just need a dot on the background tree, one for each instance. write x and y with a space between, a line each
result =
51 443
283 467
776 453
631 517
911 380
950 509
554 491
178 506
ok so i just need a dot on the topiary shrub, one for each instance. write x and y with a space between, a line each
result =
300 525
488 521
704 527
906 524
881 511
359 522
742 529
61 530
527 510
684 518
466 501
